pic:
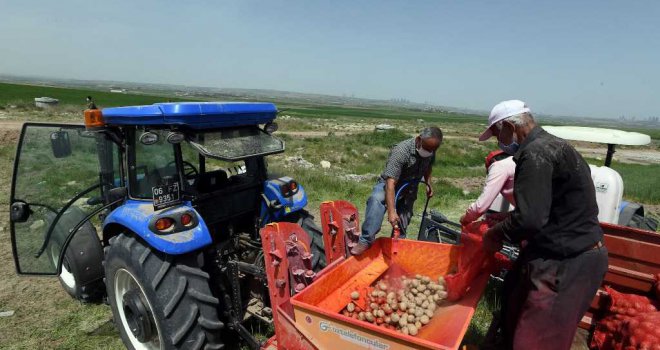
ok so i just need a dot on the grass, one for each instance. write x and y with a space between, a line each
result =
378 112
23 96
483 315
366 154
640 182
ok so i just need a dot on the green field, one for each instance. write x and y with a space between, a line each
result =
378 113
22 95
343 135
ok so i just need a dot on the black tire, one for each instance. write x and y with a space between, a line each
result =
174 289
306 221
82 268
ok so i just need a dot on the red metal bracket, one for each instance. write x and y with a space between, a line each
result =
340 222
288 270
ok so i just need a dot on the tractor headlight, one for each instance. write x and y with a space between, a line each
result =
174 137
148 138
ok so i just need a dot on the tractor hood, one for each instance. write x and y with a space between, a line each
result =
195 115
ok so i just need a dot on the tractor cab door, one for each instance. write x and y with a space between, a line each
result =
55 188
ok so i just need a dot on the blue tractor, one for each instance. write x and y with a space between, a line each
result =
157 210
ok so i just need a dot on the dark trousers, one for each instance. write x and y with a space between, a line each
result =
544 300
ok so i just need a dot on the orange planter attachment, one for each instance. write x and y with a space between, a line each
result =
340 223
316 309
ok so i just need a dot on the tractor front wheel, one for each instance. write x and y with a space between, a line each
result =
160 301
82 271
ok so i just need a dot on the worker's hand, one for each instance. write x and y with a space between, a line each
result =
393 219
429 191
492 241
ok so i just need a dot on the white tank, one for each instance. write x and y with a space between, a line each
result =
609 192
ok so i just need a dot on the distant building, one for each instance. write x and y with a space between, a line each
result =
45 102
118 91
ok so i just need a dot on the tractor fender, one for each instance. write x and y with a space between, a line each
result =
136 216
289 204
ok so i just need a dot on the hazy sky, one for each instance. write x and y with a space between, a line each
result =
594 58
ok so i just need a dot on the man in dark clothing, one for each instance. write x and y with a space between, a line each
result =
408 162
563 260
90 103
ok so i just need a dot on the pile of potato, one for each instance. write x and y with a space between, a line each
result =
405 305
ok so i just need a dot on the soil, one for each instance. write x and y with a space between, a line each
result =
652 210
468 184
9 132
631 156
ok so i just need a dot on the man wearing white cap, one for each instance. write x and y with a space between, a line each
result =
564 261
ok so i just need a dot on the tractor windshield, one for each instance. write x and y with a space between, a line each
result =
235 144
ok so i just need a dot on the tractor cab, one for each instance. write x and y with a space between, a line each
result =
214 163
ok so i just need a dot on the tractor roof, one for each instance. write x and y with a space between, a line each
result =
196 115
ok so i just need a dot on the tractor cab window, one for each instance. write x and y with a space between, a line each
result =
214 160
237 143
154 162
206 174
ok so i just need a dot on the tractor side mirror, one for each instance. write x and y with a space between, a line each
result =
60 144
20 212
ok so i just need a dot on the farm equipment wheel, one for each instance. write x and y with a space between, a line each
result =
160 301
306 221
82 269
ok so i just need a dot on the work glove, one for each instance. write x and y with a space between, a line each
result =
464 220
492 241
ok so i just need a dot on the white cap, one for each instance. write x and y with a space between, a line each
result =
501 111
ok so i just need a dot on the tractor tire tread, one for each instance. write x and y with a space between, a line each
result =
144 256
164 267
178 290
203 297
176 298
188 322
208 324
199 342
192 271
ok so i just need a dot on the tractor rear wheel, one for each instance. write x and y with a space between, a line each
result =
160 301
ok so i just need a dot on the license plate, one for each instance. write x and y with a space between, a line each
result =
166 195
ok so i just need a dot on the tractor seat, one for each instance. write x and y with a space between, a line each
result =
211 181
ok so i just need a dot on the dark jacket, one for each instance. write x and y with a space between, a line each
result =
556 208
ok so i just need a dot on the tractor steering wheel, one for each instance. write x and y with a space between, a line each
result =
189 170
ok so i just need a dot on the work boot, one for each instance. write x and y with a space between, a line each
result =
359 248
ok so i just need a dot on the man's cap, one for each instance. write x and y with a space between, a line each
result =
501 111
